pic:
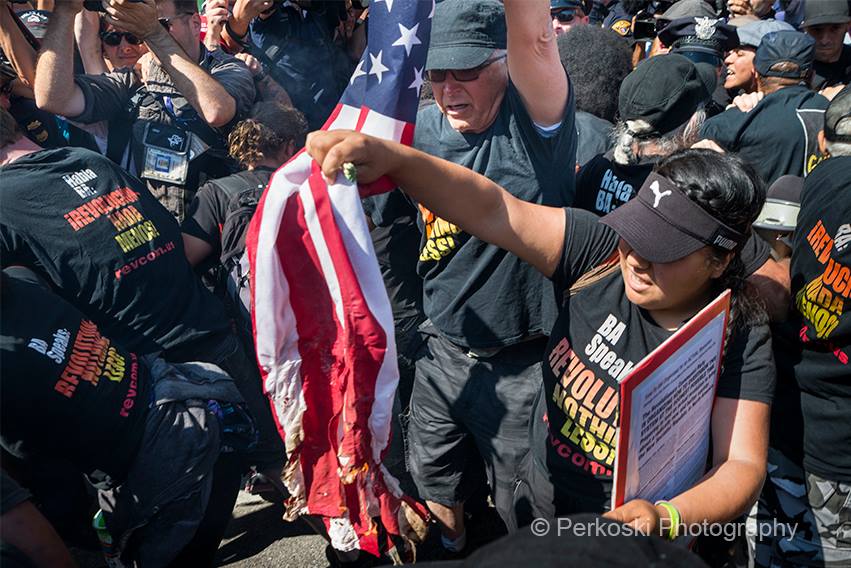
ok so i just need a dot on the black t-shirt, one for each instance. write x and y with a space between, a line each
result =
66 390
476 294
819 334
209 207
595 136
603 185
39 125
830 74
778 137
396 239
599 337
108 248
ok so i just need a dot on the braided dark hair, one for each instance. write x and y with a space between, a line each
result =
730 190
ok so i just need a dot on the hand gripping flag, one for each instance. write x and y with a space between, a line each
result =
323 327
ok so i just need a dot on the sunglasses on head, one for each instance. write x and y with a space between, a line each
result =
461 75
564 16
114 38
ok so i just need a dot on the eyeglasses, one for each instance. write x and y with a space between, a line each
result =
114 38
564 16
167 23
461 75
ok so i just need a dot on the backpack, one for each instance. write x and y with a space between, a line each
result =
232 283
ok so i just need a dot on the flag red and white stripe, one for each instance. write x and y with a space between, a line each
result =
323 326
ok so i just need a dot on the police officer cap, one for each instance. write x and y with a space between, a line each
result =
566 4
708 35
751 34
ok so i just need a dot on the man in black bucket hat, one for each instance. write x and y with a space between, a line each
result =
504 109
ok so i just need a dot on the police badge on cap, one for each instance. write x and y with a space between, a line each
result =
704 28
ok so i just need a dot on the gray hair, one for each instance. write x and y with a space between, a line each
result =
837 148
630 145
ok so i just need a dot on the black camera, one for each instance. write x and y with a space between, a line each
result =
643 26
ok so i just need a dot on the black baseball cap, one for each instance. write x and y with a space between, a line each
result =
465 33
837 117
663 225
784 46
664 91
817 12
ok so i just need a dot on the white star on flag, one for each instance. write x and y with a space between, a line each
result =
408 39
358 72
376 67
418 80
389 4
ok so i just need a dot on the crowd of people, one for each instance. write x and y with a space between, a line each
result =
584 174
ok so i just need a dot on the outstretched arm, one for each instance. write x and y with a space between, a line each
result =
473 202
55 89
533 61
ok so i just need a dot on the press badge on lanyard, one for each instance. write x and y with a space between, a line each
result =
166 153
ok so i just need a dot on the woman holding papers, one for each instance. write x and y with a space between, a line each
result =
677 247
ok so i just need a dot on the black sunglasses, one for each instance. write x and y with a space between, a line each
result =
461 75
114 38
564 16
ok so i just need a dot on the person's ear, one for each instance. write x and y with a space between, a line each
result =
195 22
719 265
822 144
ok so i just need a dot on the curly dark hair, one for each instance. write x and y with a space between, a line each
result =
730 190
597 60
269 128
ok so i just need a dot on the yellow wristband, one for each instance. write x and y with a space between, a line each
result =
674 515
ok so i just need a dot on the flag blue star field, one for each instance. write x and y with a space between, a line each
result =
323 327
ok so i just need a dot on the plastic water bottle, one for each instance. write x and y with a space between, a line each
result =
110 553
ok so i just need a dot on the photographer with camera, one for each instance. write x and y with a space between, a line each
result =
175 118
294 42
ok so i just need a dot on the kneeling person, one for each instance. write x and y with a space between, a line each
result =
151 435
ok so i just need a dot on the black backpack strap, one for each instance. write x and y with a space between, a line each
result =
233 186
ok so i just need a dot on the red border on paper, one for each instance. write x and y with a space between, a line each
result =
650 363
